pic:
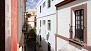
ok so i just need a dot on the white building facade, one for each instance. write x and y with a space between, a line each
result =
73 25
46 24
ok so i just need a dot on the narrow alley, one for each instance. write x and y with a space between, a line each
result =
45 25
31 45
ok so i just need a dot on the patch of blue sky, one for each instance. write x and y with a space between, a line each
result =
31 4
36 1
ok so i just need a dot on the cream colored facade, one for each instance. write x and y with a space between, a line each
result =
31 20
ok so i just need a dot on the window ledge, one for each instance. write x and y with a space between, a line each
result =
76 42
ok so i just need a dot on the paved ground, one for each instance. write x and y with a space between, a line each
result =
31 45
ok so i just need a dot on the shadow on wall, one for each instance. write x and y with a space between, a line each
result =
67 47
75 45
42 44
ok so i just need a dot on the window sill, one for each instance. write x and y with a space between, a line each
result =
76 42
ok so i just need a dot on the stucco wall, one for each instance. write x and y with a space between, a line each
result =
45 10
89 23
7 25
20 18
64 14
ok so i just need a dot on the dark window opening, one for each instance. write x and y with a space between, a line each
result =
40 38
79 24
43 22
49 24
49 3
40 9
44 4
40 23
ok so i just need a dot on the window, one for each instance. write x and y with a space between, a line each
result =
47 36
79 19
49 3
49 24
43 22
40 38
44 4
40 23
40 9
79 24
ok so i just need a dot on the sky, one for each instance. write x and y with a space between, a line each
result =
31 4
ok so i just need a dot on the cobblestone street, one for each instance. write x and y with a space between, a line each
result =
31 45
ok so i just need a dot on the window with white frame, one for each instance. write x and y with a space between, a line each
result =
40 9
44 4
40 23
49 24
49 3
43 22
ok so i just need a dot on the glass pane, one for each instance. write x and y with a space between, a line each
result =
78 22
78 12
78 27
43 22
40 23
81 22
82 17
49 20
78 18
81 27
49 26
